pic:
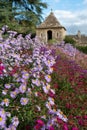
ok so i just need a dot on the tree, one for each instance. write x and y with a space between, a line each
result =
32 6
7 13
15 12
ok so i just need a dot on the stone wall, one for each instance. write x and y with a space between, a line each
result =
57 34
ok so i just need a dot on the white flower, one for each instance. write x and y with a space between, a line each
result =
15 121
60 114
46 88
48 105
51 100
4 92
39 108
5 102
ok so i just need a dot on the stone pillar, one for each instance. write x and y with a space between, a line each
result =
1 35
79 34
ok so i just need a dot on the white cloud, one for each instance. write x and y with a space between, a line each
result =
85 2
56 0
73 21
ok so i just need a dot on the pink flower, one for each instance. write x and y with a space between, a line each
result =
1 68
80 121
85 116
55 86
14 70
68 106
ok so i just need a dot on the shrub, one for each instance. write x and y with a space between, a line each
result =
69 40
51 41
82 49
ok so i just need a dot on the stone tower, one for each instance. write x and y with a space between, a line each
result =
51 29
79 34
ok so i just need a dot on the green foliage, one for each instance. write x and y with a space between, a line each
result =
51 41
82 49
7 12
69 40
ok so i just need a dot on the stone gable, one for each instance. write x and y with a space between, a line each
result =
51 29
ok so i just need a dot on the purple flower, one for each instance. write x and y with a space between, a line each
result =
11 127
36 82
48 78
2 118
25 75
7 86
22 88
14 93
24 101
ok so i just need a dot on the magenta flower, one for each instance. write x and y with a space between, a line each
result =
40 122
80 122
37 127
75 128
85 116
1 68
65 127
51 128
59 121
51 94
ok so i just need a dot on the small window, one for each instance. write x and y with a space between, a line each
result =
41 34
57 35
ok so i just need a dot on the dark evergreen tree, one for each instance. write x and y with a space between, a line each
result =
21 15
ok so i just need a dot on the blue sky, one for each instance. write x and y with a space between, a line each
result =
72 14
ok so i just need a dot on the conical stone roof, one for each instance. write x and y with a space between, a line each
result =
50 22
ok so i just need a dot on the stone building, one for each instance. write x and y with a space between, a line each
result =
81 40
51 29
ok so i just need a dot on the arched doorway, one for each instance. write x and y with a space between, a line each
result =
49 35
